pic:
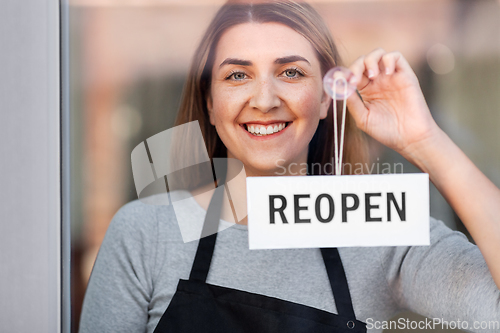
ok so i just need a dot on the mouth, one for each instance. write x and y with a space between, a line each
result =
265 130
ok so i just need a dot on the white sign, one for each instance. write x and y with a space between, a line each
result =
338 211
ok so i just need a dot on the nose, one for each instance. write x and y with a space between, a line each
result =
264 97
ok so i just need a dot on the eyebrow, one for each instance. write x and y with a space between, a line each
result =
234 61
279 61
288 59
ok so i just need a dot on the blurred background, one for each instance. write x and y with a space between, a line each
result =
129 59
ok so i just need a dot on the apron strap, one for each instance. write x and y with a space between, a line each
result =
338 282
206 246
203 258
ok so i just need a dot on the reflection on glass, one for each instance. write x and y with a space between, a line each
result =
129 63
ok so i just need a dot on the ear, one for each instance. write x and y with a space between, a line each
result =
326 101
210 109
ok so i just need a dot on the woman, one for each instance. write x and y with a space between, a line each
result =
260 66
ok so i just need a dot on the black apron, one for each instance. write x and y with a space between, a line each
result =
199 307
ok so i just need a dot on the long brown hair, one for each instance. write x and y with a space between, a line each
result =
302 18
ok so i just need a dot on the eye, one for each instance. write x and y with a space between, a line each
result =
237 76
292 73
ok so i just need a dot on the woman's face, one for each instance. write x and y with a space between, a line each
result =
266 97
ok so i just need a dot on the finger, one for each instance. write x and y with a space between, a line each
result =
389 62
395 62
358 70
358 110
372 63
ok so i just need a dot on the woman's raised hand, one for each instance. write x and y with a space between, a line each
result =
393 110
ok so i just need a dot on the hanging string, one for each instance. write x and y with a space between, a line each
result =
339 154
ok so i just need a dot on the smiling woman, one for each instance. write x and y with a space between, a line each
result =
259 58
260 87
255 87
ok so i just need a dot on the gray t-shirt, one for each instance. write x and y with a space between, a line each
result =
143 256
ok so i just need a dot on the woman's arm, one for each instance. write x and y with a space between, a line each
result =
474 198
394 112
118 294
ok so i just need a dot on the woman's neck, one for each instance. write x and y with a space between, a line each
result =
234 208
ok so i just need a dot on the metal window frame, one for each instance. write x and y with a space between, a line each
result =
34 167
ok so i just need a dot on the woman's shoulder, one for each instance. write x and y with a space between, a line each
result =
438 230
135 216
427 279
448 249
139 231
175 215
131 254
395 262
442 239
143 217
144 211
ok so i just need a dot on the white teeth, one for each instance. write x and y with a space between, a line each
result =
263 130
